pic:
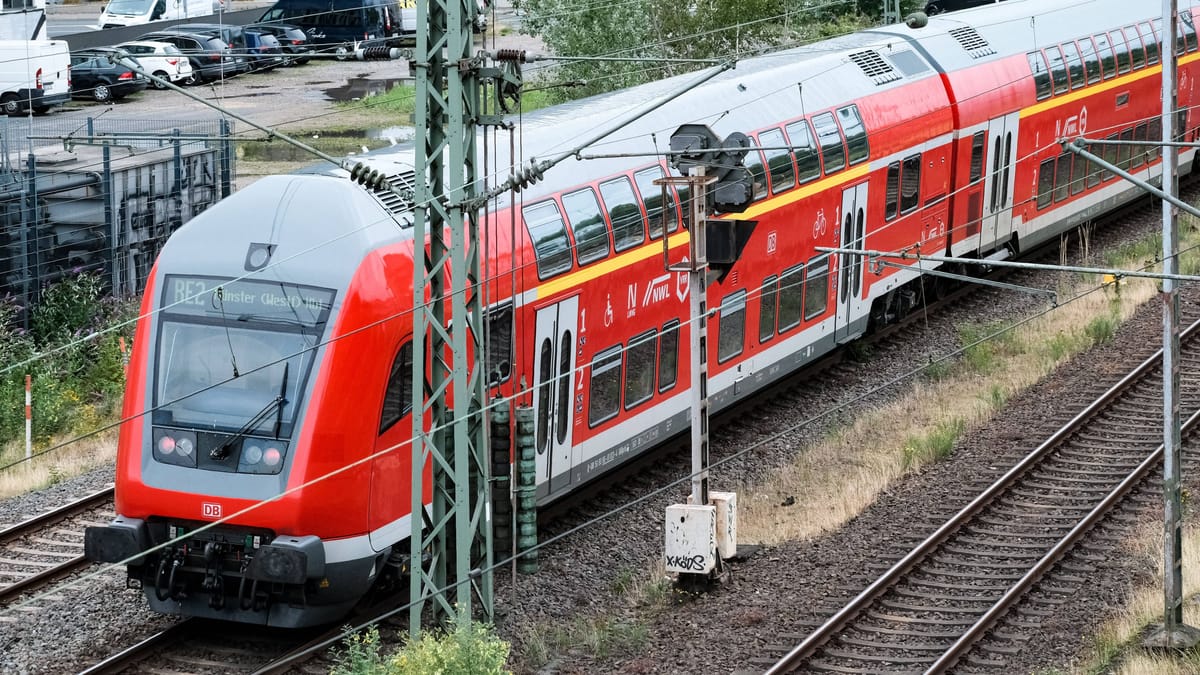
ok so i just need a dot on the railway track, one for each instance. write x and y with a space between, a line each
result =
48 547
195 646
947 596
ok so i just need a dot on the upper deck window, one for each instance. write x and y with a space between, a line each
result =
1041 74
629 229
1058 70
856 134
779 160
830 137
1108 60
804 149
549 236
591 233
1074 64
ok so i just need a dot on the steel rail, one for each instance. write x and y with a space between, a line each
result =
868 596
115 663
27 527
980 628
23 528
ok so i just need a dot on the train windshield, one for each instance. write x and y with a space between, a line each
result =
227 350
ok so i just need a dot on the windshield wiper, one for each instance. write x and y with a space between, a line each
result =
276 404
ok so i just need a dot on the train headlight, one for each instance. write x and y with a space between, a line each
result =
262 456
175 446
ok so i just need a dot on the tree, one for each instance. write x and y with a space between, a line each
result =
654 32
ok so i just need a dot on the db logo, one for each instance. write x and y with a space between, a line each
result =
211 510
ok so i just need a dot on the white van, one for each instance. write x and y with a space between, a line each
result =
34 74
137 12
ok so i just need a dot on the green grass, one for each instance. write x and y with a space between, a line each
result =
934 446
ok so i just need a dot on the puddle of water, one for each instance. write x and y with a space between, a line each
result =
362 87
393 135
345 143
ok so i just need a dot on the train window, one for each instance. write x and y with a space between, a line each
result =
791 297
910 183
1074 64
891 204
549 236
754 164
1079 167
604 393
1189 31
652 200
639 368
624 212
1122 49
1091 60
545 356
562 409
816 287
1125 150
977 156
808 162
1139 151
397 397
766 309
1136 51
1062 177
1110 154
1148 37
1107 59
731 329
499 346
587 222
830 137
1041 74
1154 135
1058 70
668 355
1045 183
779 160
856 134
1094 174
1004 182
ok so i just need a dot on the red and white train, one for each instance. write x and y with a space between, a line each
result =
942 139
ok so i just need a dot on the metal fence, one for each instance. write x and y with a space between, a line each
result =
102 195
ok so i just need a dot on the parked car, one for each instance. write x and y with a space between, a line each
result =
161 59
339 24
233 36
34 75
292 39
263 50
94 76
209 55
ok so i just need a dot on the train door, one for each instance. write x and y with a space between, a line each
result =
851 232
554 381
999 181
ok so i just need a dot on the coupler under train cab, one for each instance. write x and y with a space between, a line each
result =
240 574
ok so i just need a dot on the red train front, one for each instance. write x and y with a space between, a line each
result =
269 326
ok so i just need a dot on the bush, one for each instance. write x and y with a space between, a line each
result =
79 374
464 648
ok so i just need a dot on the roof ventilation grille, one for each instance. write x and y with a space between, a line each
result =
874 67
973 42
397 205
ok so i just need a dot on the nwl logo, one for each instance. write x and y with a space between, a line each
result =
211 510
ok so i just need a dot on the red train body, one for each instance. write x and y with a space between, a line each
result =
273 362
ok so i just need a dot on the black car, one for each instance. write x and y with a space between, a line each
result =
209 55
263 50
292 39
94 76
